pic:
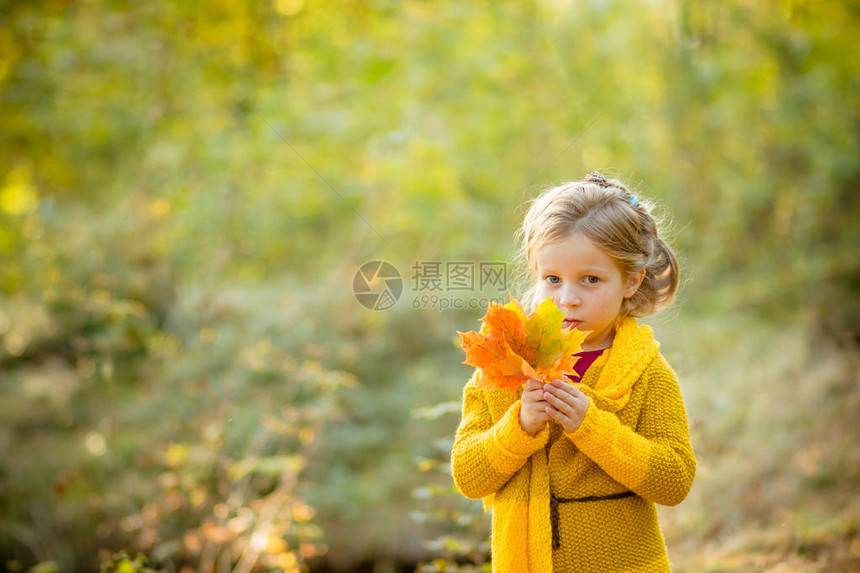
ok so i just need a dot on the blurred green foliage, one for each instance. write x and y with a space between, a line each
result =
122 563
186 190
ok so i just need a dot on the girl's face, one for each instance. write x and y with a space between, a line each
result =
587 285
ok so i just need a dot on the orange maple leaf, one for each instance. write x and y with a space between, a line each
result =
507 323
491 353
513 347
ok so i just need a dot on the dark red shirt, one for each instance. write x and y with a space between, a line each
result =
586 359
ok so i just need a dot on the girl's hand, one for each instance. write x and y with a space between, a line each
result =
565 404
533 413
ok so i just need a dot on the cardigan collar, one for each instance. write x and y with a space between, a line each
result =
632 351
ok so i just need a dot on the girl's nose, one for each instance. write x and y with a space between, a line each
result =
568 298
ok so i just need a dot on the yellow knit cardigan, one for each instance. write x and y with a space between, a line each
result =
634 438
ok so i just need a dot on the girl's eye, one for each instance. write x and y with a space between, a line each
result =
591 279
552 279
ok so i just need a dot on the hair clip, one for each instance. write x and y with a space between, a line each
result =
633 200
596 177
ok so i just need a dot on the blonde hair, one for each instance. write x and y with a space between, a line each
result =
616 221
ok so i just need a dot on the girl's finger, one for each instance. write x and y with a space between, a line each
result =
558 394
560 388
533 396
558 416
559 403
533 384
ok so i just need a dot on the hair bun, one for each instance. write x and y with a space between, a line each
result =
596 177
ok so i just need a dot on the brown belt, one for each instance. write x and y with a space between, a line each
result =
553 509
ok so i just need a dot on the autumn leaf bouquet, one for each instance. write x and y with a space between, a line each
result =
513 347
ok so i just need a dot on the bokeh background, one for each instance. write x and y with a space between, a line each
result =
187 190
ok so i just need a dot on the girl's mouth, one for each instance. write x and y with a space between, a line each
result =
570 323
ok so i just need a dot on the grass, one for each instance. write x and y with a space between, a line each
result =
773 413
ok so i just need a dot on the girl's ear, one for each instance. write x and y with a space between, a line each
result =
632 283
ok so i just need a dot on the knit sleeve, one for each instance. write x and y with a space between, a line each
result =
486 454
655 461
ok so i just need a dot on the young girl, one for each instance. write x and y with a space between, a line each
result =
573 468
